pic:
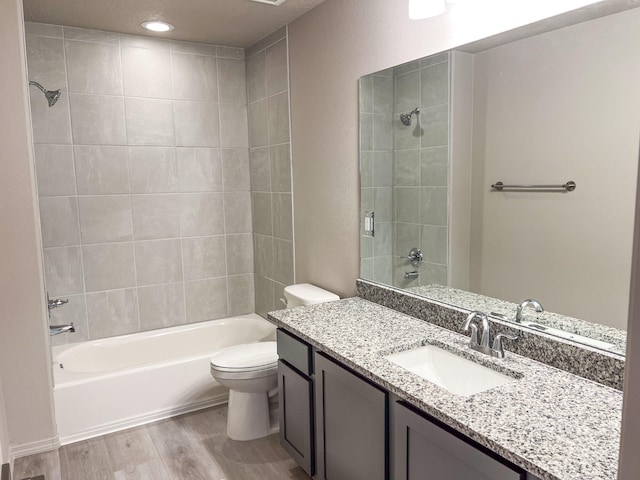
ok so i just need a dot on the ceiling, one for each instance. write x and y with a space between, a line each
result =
234 23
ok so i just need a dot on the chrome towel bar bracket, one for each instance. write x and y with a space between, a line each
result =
570 186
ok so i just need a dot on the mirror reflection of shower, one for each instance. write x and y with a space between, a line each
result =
52 95
405 118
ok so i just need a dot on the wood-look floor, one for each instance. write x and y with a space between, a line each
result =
189 447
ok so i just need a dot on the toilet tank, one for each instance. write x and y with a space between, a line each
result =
307 294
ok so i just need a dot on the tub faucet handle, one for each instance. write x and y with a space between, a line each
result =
56 302
58 329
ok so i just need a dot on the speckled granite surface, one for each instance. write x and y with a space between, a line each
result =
601 366
474 301
549 422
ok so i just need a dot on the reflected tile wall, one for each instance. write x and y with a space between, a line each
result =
404 171
421 170
143 177
376 167
270 166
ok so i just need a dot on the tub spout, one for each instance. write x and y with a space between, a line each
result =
58 329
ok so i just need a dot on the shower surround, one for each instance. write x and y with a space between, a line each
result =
268 100
143 180
405 171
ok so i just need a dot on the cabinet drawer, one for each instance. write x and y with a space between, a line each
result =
294 351
424 450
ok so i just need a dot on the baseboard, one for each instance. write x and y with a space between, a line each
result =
26 449
143 419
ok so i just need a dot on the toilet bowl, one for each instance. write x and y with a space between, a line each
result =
250 372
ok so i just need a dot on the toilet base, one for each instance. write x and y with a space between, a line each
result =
248 415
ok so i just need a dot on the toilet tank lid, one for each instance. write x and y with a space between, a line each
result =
309 294
246 355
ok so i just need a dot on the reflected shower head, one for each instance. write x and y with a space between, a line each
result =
52 95
405 118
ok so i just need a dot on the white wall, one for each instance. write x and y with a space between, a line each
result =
331 47
556 107
24 347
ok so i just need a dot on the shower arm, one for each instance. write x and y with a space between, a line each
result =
40 87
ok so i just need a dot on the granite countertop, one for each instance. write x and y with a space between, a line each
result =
474 301
551 423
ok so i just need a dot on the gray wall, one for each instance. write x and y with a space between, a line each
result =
331 48
25 369
143 180
268 98
4 433
555 107
630 442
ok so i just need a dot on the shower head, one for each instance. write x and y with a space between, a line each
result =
405 118
52 95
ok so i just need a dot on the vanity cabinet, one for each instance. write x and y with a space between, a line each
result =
351 424
335 424
426 450
295 388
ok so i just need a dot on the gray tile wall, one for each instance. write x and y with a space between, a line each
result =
270 165
404 171
421 170
376 179
143 180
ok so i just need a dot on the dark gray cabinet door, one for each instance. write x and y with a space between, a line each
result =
351 424
425 451
296 417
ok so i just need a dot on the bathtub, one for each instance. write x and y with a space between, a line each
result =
101 386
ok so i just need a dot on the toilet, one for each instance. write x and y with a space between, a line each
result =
250 372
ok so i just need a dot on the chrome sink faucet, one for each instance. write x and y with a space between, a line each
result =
529 302
484 345
484 342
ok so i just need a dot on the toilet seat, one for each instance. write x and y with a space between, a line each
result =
248 360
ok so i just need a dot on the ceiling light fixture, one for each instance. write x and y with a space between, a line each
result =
270 2
157 26
419 9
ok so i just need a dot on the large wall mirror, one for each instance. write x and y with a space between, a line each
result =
438 132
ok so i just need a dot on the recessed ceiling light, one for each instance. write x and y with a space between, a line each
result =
157 26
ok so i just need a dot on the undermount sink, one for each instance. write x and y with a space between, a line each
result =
448 370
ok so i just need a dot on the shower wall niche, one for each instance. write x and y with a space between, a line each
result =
143 180
405 171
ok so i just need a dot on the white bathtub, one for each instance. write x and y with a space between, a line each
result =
102 386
